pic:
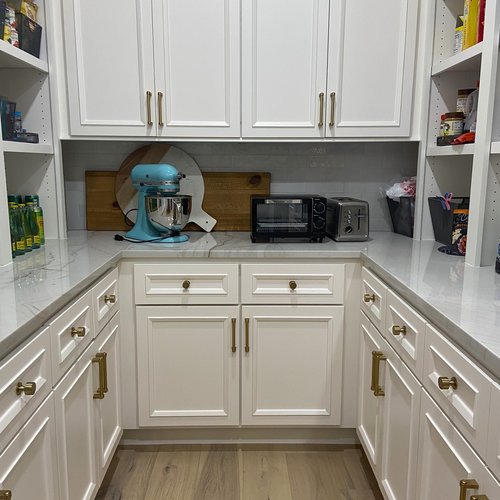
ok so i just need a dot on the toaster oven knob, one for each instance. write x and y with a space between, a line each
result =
319 224
319 208
348 229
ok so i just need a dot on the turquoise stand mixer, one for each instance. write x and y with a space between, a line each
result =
161 212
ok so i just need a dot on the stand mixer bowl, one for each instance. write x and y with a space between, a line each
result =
167 212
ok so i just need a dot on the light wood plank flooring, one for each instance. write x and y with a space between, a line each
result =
245 472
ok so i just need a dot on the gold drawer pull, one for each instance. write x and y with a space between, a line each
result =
110 299
369 297
292 284
100 359
186 284
467 484
5 494
78 331
447 383
148 107
398 330
332 109
377 357
29 388
479 497
247 334
160 109
321 108
233 334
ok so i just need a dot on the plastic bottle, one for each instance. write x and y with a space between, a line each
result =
26 227
13 230
31 216
18 231
38 214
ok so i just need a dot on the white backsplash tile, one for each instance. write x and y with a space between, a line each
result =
360 170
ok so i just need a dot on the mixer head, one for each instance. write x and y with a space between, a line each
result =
156 177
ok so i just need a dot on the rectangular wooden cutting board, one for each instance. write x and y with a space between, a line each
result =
227 199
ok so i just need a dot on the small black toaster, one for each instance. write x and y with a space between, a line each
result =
347 219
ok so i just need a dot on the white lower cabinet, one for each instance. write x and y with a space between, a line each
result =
28 465
188 365
448 468
292 365
388 422
88 417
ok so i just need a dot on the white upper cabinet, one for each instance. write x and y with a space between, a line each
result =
109 60
371 67
197 67
284 61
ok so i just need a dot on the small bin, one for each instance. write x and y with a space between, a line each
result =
30 35
442 219
402 214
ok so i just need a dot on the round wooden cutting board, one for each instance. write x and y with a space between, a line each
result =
192 184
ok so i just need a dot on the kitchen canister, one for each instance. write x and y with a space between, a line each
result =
453 123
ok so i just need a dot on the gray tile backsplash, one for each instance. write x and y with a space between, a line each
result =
360 170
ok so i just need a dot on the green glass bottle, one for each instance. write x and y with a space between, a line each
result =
19 233
13 230
28 237
31 216
38 214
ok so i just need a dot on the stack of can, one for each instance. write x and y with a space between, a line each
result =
26 223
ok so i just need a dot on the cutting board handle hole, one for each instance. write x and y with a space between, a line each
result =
255 180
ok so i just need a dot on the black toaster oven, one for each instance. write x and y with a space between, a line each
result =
288 216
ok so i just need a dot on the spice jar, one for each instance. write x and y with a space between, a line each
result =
453 123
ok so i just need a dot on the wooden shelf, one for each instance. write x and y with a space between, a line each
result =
27 147
13 57
463 149
467 60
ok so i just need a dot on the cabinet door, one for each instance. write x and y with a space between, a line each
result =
188 371
370 406
108 409
292 365
370 68
445 459
197 67
28 464
76 429
109 63
284 59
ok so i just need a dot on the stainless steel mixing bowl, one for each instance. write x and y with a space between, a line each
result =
167 212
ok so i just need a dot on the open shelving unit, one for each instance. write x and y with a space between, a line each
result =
26 167
470 170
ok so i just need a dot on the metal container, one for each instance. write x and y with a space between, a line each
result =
168 213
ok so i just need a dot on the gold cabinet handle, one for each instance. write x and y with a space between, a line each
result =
467 484
5 494
479 497
160 109
332 109
186 284
148 107
398 330
28 389
321 106
78 331
109 299
377 356
369 297
292 284
445 383
100 359
247 334
233 334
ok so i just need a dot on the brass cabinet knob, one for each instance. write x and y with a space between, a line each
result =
398 330
78 331
109 299
292 284
447 383
367 297
467 484
29 388
186 284
5 494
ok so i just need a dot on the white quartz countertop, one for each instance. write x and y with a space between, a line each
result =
462 301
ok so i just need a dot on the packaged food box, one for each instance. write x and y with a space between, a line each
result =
30 34
7 114
3 6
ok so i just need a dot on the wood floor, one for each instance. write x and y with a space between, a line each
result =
246 472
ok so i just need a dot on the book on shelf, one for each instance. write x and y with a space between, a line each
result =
480 20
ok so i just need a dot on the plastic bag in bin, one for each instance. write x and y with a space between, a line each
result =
407 187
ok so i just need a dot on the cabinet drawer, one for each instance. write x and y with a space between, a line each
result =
292 283
70 333
30 364
493 452
373 298
467 405
405 331
105 300
186 283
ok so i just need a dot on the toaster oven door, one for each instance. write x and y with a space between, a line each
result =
282 217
